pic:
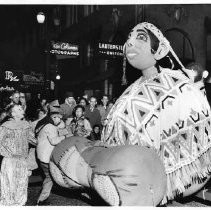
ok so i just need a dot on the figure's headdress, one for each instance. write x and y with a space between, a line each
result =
162 41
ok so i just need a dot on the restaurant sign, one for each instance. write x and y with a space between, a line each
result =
64 50
9 75
110 50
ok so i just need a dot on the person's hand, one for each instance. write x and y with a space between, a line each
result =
29 173
63 132
99 143
105 122
68 135
68 121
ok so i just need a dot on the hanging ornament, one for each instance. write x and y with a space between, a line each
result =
124 78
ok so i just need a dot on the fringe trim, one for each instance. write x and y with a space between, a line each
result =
179 180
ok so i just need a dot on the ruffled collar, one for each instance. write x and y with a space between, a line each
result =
14 125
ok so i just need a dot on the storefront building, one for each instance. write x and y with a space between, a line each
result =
183 25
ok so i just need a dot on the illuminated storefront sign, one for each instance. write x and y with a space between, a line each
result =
110 50
33 78
64 50
9 75
11 80
7 88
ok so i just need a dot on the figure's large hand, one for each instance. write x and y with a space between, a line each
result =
122 175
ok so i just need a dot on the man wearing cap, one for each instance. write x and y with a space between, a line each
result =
48 137
68 106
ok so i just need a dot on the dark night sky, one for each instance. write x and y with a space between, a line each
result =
15 21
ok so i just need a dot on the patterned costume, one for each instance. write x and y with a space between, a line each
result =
15 166
167 113
158 133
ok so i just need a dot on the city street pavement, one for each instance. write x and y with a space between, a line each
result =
61 196
75 197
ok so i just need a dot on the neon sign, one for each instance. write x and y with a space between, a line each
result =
9 76
7 88
62 48
61 52
111 50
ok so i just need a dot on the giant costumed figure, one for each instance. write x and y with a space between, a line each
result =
157 136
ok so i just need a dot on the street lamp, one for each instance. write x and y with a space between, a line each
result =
41 19
58 77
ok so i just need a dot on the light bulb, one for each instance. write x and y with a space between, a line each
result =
58 77
40 17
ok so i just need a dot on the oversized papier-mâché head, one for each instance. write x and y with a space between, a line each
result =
145 45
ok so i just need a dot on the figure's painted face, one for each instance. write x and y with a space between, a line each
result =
138 49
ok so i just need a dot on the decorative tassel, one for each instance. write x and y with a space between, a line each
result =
124 79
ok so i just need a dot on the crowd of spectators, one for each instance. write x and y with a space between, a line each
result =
49 123
81 114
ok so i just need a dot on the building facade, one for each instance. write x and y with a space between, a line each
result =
183 25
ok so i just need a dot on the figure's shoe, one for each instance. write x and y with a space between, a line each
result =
43 203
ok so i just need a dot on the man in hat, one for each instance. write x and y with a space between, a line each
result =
47 138
68 106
